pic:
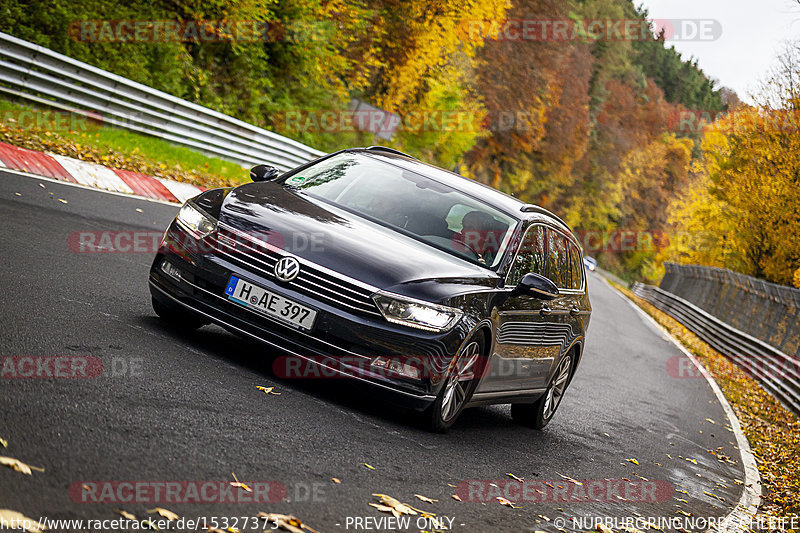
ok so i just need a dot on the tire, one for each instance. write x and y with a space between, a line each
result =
538 414
458 386
179 318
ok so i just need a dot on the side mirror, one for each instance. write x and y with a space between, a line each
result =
263 173
537 286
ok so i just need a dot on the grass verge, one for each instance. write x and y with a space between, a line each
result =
772 430
76 136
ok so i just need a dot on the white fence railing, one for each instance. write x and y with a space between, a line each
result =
45 77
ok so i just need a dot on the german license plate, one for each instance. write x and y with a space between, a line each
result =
268 303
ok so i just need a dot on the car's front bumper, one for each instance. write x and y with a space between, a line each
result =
341 343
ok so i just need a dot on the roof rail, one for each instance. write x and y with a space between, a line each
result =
377 148
532 208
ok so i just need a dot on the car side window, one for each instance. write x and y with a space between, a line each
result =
577 267
530 257
557 268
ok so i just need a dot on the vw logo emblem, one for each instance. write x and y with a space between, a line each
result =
287 269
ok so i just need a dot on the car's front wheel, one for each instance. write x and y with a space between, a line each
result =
462 378
538 414
178 318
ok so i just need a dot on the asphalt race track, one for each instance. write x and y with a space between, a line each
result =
184 407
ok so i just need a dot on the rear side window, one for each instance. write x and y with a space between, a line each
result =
577 267
558 263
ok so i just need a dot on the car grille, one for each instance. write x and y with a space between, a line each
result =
317 282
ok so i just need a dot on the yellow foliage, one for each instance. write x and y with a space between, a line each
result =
743 211
422 41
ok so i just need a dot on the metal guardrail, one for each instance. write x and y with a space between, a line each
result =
40 75
777 372
767 311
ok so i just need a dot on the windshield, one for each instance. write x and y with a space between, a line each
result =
410 203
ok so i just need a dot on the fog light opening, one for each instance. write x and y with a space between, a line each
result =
171 270
397 367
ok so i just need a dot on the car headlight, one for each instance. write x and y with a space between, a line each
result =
195 221
416 313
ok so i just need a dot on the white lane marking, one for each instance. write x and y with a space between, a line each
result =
181 191
740 518
92 174
87 188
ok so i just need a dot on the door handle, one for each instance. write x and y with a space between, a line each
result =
545 311
574 311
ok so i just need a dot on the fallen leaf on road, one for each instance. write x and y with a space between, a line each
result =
397 507
505 502
368 466
287 522
515 478
268 390
425 498
384 508
126 514
634 461
575 481
451 485
336 480
455 497
7 516
237 483
19 466
166 513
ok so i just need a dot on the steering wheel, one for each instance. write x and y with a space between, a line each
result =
471 248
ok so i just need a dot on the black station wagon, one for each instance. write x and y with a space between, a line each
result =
371 265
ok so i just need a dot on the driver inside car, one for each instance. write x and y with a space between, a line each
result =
480 234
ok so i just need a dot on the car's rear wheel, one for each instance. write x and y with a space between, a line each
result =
177 317
538 414
462 378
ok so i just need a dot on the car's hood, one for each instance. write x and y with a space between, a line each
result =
339 240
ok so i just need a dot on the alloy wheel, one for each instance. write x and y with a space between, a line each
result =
455 392
556 389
